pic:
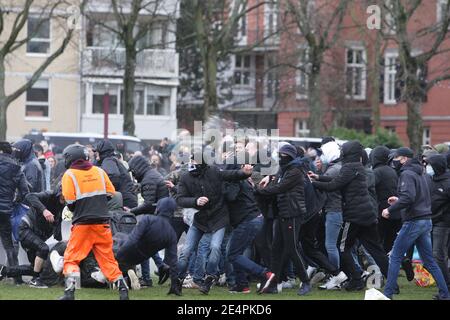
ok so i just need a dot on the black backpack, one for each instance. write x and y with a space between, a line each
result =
314 198
122 221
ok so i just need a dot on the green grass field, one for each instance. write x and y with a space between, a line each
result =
409 291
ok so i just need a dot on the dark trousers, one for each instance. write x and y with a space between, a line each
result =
388 230
286 246
263 242
7 240
311 247
441 244
368 237
32 244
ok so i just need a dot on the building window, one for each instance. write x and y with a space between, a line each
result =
356 73
390 129
389 27
39 34
271 78
426 136
271 17
302 74
440 10
242 70
37 103
148 100
301 128
390 81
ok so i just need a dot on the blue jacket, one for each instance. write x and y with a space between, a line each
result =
414 199
12 179
30 165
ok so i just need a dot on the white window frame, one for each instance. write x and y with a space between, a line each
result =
426 136
31 103
298 73
305 132
363 66
439 4
390 71
251 69
389 26
48 40
241 37
89 110
274 83
271 12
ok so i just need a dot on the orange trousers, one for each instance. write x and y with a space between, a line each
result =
95 237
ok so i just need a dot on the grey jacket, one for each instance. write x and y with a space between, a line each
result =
334 198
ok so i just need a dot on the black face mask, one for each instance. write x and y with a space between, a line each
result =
397 165
285 160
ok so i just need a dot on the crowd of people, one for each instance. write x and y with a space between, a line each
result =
333 217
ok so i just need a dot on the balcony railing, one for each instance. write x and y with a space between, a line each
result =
158 63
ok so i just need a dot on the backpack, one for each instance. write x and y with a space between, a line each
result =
19 211
314 199
122 221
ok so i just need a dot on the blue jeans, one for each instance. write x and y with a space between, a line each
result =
241 237
192 239
145 266
333 225
201 257
416 232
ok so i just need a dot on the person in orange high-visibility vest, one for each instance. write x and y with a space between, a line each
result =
85 188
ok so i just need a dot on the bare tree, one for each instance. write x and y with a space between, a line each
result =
420 39
133 21
320 24
13 24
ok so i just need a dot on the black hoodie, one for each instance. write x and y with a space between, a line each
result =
440 191
414 200
152 183
386 178
117 173
352 182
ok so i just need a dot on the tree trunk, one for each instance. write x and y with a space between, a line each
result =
3 106
129 84
415 126
315 122
375 80
210 104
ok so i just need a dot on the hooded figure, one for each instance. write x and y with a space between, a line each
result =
117 172
166 207
24 153
152 183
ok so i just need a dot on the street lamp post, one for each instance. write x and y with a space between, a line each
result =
105 112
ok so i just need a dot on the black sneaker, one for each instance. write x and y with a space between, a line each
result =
207 284
408 268
239 289
163 274
266 281
146 283
37 283
3 271
355 285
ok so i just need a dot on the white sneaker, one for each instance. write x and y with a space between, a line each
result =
190 284
311 271
134 279
335 282
280 287
57 261
98 276
289 284
319 276
222 280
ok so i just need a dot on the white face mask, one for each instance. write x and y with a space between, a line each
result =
430 170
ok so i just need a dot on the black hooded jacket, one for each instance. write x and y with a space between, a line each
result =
35 220
386 178
11 179
289 189
152 183
414 200
207 182
352 182
440 191
30 165
117 173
